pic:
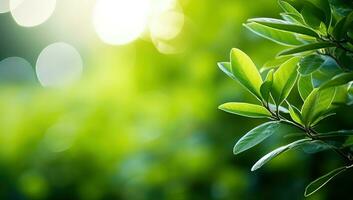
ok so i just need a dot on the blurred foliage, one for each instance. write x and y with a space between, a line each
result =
143 125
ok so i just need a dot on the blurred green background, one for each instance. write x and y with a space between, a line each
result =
141 124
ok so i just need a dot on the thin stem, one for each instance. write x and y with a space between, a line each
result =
310 132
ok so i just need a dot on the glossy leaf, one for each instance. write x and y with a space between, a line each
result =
293 18
275 35
268 157
310 63
338 80
322 117
283 25
322 181
284 79
245 109
326 72
295 114
260 133
226 68
274 63
312 15
266 86
307 47
288 8
340 133
317 104
305 86
245 71
316 146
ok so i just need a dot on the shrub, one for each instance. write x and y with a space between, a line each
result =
318 61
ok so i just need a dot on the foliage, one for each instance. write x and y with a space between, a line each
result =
318 60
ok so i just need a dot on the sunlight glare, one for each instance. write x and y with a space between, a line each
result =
119 22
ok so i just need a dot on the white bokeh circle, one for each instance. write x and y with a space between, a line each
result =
29 13
4 6
59 64
119 22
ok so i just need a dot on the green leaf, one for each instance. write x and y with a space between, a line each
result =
316 146
295 114
285 26
277 152
326 72
310 63
246 72
338 80
305 86
260 133
322 117
275 35
322 181
340 133
226 68
338 31
284 79
312 15
288 8
266 86
293 18
245 109
317 104
274 63
307 47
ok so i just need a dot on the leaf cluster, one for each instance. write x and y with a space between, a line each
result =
318 63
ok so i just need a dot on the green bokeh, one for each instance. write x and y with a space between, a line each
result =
144 125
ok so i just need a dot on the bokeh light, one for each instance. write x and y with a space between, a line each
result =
119 22
16 70
29 13
59 64
167 25
4 6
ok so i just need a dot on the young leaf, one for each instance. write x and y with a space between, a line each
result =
274 63
275 35
260 133
317 104
285 26
277 152
307 47
338 80
293 18
226 68
322 181
245 71
266 86
305 86
295 114
288 8
310 63
245 109
284 79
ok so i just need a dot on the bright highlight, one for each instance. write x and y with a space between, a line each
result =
29 13
119 22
